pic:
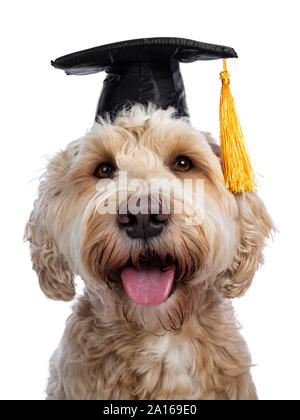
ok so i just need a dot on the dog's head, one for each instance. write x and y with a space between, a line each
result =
139 210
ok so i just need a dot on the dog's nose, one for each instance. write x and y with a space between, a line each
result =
142 225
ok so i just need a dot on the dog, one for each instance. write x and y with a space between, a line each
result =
155 320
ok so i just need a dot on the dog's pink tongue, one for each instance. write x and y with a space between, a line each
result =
148 286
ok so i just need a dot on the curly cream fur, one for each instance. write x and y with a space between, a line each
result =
188 347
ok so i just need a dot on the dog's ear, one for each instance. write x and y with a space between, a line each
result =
215 147
255 227
55 277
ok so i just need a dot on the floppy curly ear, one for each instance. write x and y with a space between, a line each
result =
255 227
55 277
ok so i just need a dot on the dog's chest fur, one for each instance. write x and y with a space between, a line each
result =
109 360
176 359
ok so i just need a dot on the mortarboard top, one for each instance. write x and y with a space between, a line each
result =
141 70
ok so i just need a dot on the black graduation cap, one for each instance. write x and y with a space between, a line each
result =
141 71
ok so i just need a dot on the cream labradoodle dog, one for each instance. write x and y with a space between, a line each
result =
155 320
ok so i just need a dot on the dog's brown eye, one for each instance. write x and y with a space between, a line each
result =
105 170
182 164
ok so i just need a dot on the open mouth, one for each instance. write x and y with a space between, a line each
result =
150 283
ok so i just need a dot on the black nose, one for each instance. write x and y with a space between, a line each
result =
142 225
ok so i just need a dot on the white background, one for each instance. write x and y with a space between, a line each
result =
42 110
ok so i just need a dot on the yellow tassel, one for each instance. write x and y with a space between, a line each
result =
238 173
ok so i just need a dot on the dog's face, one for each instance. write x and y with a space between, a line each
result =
115 208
